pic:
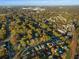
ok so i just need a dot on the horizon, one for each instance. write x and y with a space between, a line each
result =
39 2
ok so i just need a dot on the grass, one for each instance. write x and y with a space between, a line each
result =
68 54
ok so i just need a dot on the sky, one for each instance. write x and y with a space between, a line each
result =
38 2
